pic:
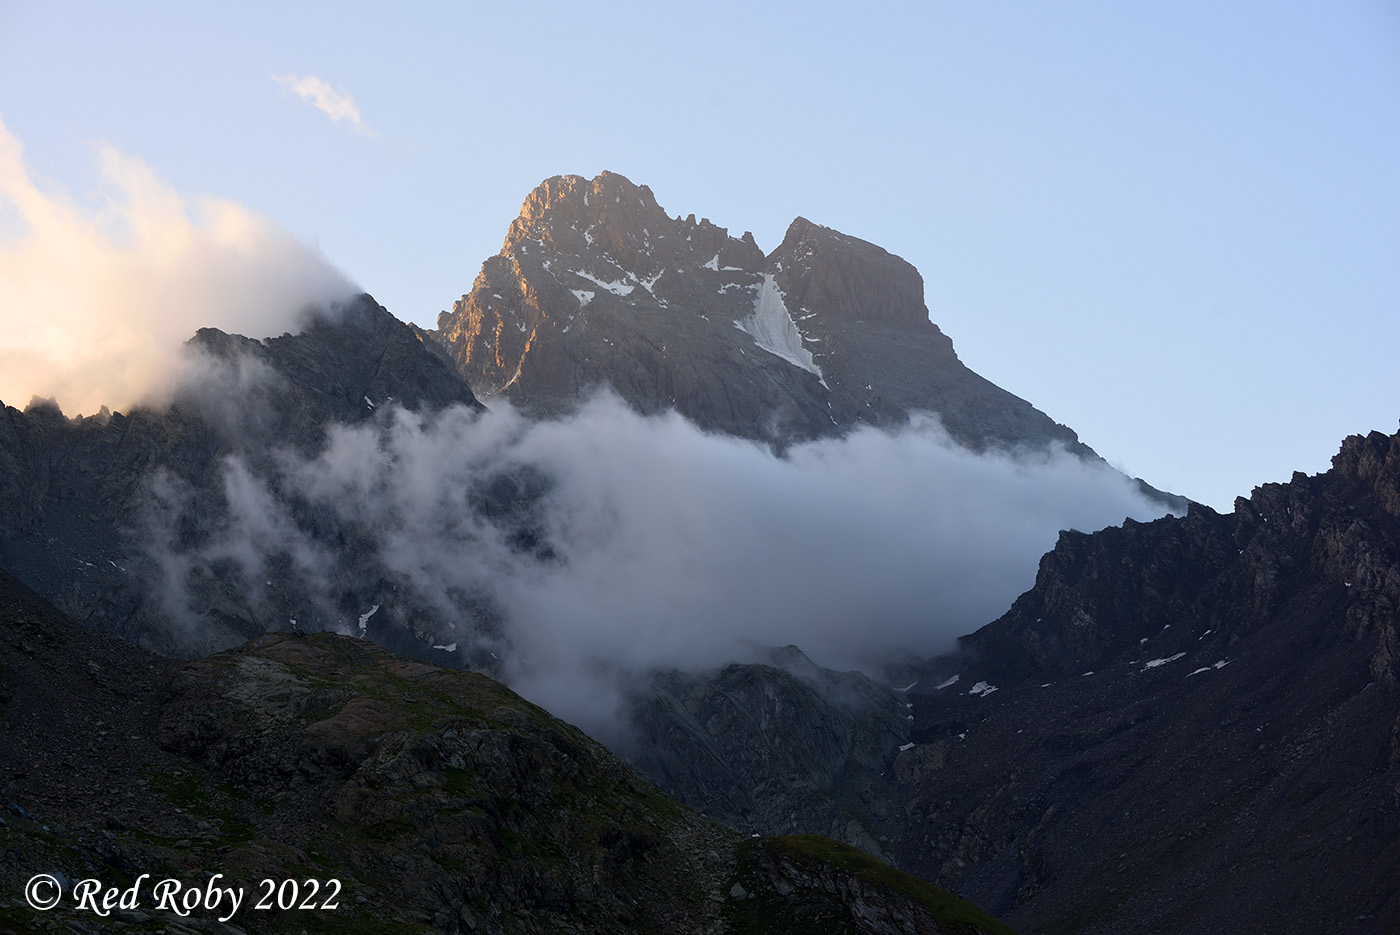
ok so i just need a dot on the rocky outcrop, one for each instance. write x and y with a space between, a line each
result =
778 747
1188 725
597 286
810 884
845 278
339 370
882 357
438 801
1307 547
470 805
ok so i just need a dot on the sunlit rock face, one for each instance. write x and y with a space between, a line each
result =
597 285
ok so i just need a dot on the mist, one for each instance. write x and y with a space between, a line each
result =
653 544
97 302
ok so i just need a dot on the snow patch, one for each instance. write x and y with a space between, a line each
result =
616 287
713 263
907 746
1154 663
584 296
982 688
447 647
772 328
951 681
364 619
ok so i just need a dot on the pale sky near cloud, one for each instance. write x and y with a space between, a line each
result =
97 303
1173 227
332 102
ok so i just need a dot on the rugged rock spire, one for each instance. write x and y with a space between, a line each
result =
596 286
842 277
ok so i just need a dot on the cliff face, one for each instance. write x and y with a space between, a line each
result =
781 747
841 277
596 286
1187 725
1312 548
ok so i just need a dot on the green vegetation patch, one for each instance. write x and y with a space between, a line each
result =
814 911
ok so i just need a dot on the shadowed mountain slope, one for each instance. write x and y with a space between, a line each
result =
1190 725
72 491
439 802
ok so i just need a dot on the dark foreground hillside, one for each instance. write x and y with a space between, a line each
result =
438 800
1187 726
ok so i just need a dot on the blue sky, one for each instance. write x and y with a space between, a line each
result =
1174 227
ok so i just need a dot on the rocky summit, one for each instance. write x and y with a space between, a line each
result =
596 285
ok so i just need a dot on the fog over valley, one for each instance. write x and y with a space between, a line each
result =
630 542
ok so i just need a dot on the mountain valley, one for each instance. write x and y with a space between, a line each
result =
270 617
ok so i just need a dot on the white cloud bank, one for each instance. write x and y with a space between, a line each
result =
668 546
332 102
95 305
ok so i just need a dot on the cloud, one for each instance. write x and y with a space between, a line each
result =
95 305
334 103
652 544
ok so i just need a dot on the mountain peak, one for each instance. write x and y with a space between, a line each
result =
570 214
597 285
573 194
835 274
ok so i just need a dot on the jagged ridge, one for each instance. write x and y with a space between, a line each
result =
1195 725
596 285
